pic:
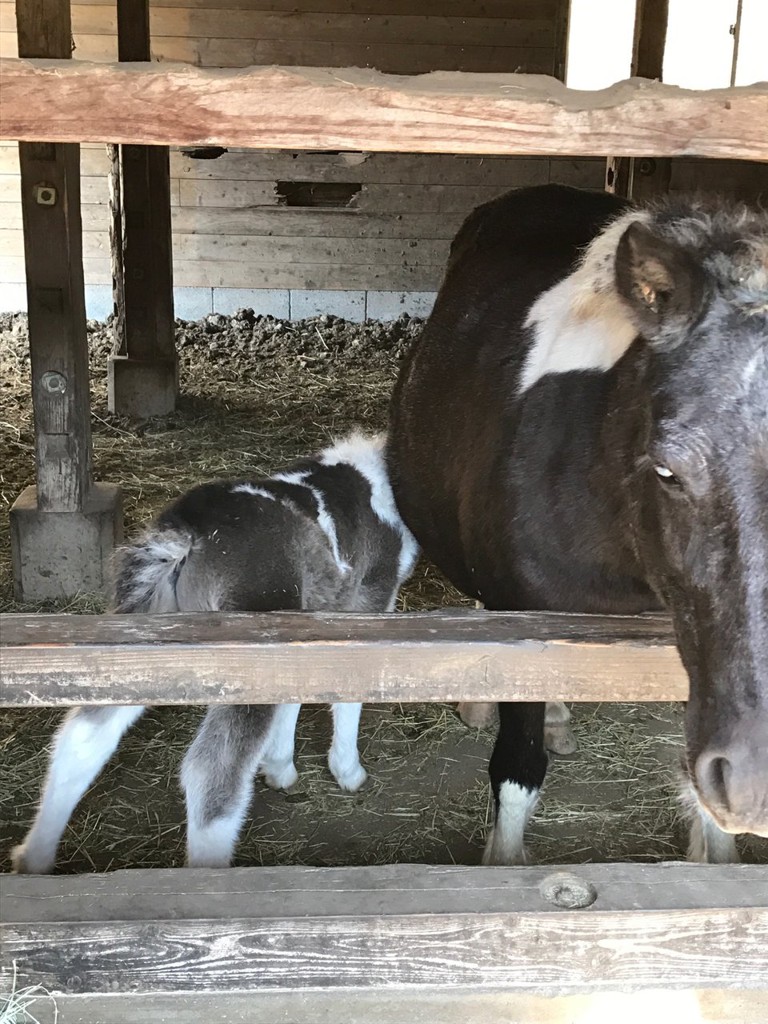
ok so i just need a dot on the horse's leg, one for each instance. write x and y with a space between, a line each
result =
277 765
558 735
707 843
343 757
517 769
85 741
217 776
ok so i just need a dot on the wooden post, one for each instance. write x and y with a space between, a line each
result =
62 530
143 370
643 177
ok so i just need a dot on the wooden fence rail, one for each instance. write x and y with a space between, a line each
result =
356 109
281 657
328 936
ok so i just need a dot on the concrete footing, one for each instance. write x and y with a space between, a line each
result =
141 388
57 555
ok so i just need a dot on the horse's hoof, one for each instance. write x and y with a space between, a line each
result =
476 714
560 739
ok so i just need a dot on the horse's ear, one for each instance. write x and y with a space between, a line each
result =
658 280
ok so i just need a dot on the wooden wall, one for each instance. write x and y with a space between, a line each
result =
231 226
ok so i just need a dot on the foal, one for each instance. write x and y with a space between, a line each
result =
323 536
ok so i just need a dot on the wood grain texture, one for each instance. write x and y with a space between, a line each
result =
282 657
293 929
314 108
423 1005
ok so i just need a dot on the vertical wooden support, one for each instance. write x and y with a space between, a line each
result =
630 176
143 371
62 530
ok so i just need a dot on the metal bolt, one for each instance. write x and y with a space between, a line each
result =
646 166
45 195
54 383
567 891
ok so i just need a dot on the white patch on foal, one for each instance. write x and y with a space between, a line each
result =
505 843
366 455
581 323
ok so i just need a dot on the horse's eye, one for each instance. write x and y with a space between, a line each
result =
665 474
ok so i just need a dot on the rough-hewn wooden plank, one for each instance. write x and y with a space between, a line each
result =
286 657
416 1006
648 926
313 108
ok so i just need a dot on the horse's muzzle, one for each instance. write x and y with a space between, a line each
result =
731 779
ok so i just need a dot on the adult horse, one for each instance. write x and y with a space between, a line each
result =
583 426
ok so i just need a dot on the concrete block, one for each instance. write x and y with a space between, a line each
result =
347 304
192 303
391 305
141 388
263 301
58 555
99 303
13 297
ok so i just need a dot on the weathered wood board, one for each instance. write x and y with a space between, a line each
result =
285 657
355 109
386 929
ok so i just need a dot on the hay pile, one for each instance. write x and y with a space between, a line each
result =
257 392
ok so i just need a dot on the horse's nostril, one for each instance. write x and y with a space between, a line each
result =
713 772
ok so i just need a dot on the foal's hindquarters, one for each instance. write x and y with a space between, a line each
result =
324 535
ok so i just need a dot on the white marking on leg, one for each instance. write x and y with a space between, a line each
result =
343 757
277 764
505 843
707 843
85 741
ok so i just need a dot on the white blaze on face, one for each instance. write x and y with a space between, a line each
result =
581 322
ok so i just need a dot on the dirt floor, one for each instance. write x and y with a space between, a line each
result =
257 393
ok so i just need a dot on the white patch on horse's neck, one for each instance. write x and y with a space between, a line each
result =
581 322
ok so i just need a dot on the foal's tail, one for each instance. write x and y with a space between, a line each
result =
147 572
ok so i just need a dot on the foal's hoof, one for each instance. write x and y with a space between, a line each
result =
25 863
350 779
476 714
282 777
560 739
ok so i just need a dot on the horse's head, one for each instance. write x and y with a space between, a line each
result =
696 285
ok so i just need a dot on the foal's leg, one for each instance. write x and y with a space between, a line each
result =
217 776
277 765
85 741
707 843
517 769
343 757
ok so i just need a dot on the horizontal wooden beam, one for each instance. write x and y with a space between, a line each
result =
544 930
357 109
281 657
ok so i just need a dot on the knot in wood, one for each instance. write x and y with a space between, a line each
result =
54 383
567 891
